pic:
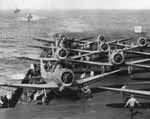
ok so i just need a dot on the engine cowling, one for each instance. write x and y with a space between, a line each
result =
67 77
62 53
64 76
117 57
104 47
142 41
100 38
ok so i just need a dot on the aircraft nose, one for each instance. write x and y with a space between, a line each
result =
62 53
67 77
104 47
118 57
142 41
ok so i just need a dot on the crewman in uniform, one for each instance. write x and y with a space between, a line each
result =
91 73
87 58
1 102
44 96
86 89
49 53
83 75
30 72
48 66
131 102
9 95
86 92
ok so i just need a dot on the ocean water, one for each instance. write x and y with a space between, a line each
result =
16 34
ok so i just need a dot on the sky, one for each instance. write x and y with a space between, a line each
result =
75 4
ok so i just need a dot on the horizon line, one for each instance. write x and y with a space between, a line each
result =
75 9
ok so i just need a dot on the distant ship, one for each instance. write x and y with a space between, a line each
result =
29 17
17 10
